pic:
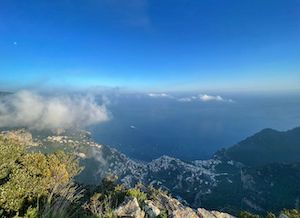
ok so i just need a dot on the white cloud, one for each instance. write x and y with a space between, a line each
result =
35 111
159 95
205 98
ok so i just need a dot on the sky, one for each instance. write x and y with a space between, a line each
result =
151 44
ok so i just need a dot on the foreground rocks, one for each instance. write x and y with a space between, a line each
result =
202 213
130 208
152 209
174 207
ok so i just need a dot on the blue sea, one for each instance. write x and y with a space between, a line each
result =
147 126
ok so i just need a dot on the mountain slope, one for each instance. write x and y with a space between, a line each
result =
221 183
267 146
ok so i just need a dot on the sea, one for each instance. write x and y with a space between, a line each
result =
191 126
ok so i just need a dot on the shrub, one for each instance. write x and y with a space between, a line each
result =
138 194
26 177
245 214
63 201
31 213
270 215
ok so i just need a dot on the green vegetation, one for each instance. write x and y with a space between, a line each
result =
138 194
271 215
34 184
245 214
104 198
289 213
27 179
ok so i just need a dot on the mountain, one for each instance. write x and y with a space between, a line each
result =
228 182
34 184
225 182
267 146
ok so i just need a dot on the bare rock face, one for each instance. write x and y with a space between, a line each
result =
175 208
202 213
130 209
151 210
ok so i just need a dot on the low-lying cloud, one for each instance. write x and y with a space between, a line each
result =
36 111
205 98
200 97
159 95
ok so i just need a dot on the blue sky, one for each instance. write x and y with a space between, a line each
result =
152 45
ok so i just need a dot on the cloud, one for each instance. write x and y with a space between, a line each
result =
205 98
36 111
200 97
159 95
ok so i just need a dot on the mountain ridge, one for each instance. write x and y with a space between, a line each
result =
271 145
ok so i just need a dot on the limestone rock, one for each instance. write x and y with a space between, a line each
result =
151 210
130 209
175 208
202 213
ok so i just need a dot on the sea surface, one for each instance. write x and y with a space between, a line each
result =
147 126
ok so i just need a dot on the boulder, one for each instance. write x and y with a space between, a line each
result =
202 213
151 210
130 208
186 213
174 207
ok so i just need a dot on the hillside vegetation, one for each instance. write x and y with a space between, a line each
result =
35 184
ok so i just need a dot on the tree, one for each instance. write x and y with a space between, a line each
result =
26 177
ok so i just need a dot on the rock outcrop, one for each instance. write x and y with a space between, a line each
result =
202 213
174 207
151 210
130 208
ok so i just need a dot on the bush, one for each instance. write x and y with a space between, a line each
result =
245 214
63 201
31 213
270 215
105 198
27 177
140 196
163 214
